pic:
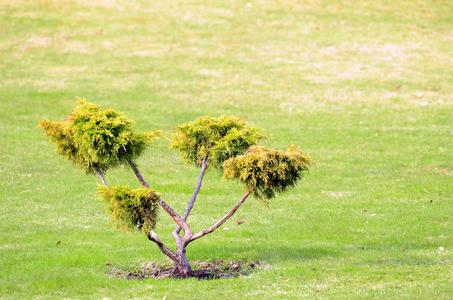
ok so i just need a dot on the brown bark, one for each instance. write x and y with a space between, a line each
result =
176 218
183 263
164 205
152 236
179 258
138 174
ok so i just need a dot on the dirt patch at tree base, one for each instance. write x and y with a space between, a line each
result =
201 270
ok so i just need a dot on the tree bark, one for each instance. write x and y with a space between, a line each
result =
183 264
138 174
178 220
179 258
204 165
101 176
152 236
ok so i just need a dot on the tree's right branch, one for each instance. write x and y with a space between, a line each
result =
219 222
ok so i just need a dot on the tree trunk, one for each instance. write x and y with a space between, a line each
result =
183 263
184 266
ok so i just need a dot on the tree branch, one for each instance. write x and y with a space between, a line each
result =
138 174
101 176
165 206
176 218
152 236
219 222
204 165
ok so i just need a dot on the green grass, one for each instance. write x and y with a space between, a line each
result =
364 87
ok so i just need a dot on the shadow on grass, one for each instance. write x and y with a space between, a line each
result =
268 253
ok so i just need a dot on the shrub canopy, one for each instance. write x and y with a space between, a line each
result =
265 171
91 137
222 138
131 209
96 140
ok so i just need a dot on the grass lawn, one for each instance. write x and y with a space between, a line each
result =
364 87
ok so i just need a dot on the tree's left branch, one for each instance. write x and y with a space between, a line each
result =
152 236
101 176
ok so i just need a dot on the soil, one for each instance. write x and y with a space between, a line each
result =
201 270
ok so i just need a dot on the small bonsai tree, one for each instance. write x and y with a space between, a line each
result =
96 140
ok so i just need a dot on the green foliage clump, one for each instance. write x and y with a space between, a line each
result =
131 208
267 171
222 138
92 137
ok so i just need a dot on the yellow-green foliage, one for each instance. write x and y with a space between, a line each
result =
267 171
90 137
131 208
222 137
